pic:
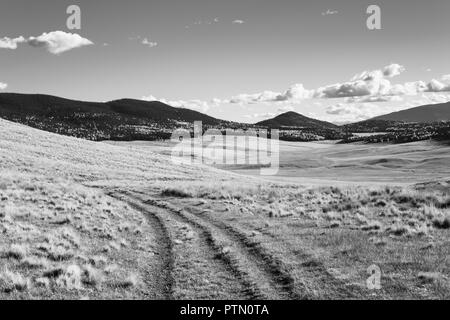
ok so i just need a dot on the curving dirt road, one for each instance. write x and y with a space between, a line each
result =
201 257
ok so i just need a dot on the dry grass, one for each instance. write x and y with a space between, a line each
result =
62 238
390 210
53 233
342 231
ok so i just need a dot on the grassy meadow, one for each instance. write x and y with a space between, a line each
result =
87 220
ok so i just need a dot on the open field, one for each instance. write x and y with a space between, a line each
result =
318 163
90 220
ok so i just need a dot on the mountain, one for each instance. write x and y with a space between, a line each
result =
12 104
427 113
371 125
124 119
293 119
296 127
405 118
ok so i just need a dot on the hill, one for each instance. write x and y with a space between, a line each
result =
419 123
296 127
121 119
295 120
427 113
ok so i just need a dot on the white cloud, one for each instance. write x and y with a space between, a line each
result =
437 86
342 112
393 70
266 115
193 104
368 83
246 98
446 77
203 22
295 93
3 86
57 42
330 12
148 43
8 43
368 86
238 21
366 95
373 99
432 99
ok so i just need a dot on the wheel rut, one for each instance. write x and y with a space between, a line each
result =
162 280
263 276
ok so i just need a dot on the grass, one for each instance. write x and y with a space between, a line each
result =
63 237
342 229
13 281
43 256
398 211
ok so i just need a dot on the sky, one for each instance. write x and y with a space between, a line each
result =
241 60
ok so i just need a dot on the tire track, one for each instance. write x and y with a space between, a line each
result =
162 278
314 269
272 266
331 286
264 276
216 264
249 289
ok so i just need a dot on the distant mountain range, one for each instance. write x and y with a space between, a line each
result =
12 104
124 119
129 119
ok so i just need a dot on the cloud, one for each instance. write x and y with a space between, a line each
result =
368 86
3 86
329 12
56 42
344 113
203 22
245 98
446 77
359 95
368 83
238 21
431 99
294 93
353 112
8 43
393 70
437 86
193 104
148 43
373 99
266 115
